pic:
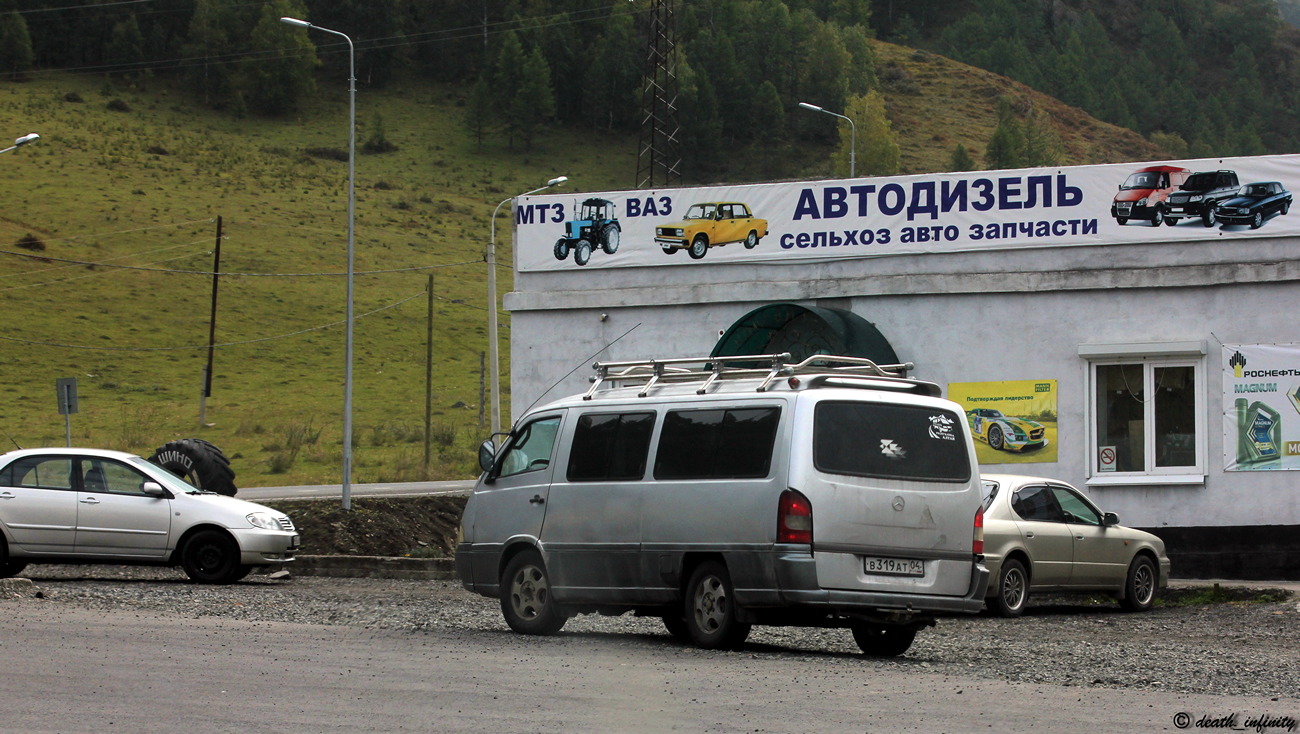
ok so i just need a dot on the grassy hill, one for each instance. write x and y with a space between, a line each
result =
104 216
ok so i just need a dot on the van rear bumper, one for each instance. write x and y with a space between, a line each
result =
796 576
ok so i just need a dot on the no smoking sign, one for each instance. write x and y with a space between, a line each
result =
1106 458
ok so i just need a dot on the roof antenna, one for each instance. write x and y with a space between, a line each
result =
577 367
15 443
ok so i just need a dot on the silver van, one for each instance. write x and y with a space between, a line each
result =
720 493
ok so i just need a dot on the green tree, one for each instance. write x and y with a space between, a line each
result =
126 46
507 81
701 140
15 44
768 114
211 30
961 159
279 71
611 95
877 149
534 105
479 110
1004 148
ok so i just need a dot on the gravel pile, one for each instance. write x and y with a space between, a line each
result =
1227 648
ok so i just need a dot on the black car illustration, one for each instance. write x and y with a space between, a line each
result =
1254 203
1199 194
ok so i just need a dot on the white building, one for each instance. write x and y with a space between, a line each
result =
1004 280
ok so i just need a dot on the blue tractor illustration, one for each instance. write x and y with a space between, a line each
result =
596 225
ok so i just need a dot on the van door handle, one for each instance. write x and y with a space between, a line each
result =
537 499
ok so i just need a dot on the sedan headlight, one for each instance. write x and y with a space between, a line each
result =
263 520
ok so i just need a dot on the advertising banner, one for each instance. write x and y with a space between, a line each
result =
1013 422
1261 407
805 221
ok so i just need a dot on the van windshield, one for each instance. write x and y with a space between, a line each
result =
1143 180
889 442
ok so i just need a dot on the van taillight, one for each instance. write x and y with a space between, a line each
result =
794 518
977 547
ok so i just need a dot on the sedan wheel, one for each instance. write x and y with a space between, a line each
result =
1013 589
212 557
1208 218
699 246
1257 221
1140 586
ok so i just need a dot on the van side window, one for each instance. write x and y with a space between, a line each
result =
531 449
717 444
889 442
610 446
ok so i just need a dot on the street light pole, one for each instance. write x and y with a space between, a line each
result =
352 202
853 135
493 358
20 142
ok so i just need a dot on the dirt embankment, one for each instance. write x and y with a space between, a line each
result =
376 526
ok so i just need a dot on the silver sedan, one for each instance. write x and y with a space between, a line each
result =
89 505
1043 535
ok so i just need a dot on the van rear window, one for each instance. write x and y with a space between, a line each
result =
610 446
717 444
889 442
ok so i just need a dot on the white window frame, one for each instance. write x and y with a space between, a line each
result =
1150 356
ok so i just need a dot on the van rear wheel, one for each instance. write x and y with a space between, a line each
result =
526 601
882 640
710 612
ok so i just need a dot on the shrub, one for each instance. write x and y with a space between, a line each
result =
31 242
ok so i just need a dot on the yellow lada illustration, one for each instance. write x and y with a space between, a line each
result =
711 224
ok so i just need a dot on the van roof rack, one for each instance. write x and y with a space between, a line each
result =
649 373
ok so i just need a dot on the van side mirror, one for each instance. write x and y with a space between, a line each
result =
487 455
1109 519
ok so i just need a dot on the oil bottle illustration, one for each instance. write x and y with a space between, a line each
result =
1259 432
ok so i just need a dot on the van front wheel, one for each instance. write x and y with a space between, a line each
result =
526 601
711 609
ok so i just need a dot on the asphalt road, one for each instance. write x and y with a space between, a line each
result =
137 671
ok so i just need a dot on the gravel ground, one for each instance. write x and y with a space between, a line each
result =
1240 649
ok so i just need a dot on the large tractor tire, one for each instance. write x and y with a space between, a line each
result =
199 463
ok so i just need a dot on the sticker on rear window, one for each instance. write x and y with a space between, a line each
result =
892 450
941 427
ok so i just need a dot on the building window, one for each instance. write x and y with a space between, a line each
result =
1146 419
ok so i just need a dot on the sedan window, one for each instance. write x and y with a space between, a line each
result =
1037 503
1076 510
109 476
43 472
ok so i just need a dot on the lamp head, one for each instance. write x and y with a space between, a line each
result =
295 22
812 107
557 181
28 138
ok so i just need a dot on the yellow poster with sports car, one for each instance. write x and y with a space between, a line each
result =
1013 422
